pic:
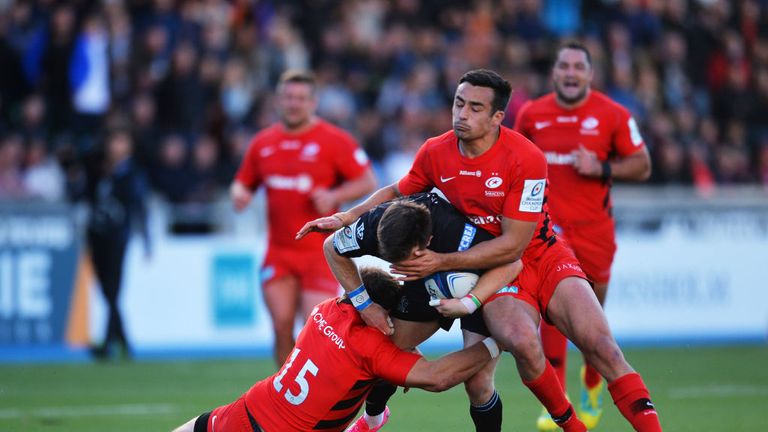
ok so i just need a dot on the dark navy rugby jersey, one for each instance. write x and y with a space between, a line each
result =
451 230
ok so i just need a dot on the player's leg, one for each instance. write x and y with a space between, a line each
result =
282 296
187 427
317 282
574 309
408 335
485 405
514 324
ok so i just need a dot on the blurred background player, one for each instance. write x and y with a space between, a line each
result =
588 140
308 167
115 191
335 363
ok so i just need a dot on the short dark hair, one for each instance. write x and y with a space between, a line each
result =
381 287
575 46
403 226
488 78
297 76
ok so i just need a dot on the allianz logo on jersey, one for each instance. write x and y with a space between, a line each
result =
300 183
326 329
559 158
477 173
567 119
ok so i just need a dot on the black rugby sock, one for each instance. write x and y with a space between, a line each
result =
378 398
487 417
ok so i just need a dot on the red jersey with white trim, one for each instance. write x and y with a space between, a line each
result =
508 180
291 166
599 124
324 382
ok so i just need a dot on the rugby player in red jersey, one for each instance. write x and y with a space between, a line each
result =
497 178
336 361
308 168
588 140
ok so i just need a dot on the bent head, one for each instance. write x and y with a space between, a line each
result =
296 98
572 73
383 289
479 104
404 227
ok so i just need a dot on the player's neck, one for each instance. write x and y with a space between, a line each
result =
573 105
478 146
300 128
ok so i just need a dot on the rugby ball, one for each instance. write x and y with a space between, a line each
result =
445 285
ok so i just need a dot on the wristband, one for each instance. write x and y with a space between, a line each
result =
475 299
360 298
493 348
469 304
607 172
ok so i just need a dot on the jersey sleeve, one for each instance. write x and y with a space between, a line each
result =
350 160
522 120
384 359
525 199
359 238
248 173
627 138
418 178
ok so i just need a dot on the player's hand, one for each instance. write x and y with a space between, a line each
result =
324 200
452 308
376 316
586 162
321 225
240 196
424 263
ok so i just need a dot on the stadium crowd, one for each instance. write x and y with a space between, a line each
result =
192 79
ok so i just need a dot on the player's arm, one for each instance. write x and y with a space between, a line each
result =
504 249
326 200
634 167
348 276
246 180
487 285
451 369
338 220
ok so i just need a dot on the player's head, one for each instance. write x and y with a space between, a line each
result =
479 104
296 98
404 228
381 287
572 73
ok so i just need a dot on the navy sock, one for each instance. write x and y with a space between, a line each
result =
487 417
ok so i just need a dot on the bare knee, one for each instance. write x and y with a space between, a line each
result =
479 387
604 354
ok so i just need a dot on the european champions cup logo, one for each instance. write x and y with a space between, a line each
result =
537 189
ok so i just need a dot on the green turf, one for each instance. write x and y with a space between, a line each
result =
695 389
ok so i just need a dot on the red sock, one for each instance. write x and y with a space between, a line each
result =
631 397
591 376
547 389
555 349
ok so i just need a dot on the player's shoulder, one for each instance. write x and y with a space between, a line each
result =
268 135
517 145
602 100
439 142
329 129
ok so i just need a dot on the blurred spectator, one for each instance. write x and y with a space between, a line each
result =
115 191
11 154
43 178
171 175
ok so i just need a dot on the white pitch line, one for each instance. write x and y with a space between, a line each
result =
90 411
718 391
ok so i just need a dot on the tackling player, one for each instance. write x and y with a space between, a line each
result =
588 141
497 178
308 168
336 361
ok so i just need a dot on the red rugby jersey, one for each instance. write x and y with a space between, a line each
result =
291 166
600 125
324 382
507 180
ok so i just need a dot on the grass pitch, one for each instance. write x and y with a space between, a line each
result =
694 388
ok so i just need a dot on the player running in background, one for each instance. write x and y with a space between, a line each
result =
308 167
336 361
497 178
588 141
